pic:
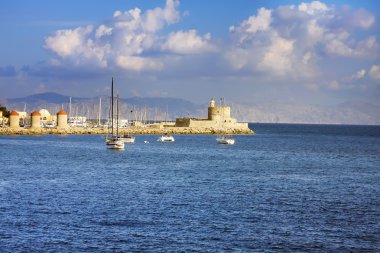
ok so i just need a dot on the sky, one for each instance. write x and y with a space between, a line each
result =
304 52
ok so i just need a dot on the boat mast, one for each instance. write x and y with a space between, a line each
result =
222 118
117 115
112 106
100 110
70 108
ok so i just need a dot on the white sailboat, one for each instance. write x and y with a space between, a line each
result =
223 138
128 138
113 141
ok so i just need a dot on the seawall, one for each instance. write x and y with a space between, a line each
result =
132 130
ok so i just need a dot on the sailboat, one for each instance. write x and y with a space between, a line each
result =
128 138
113 141
223 138
166 137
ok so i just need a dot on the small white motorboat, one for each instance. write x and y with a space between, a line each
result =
225 139
166 138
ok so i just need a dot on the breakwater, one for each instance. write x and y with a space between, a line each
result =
131 130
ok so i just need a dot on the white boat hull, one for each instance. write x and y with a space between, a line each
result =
166 138
128 139
114 143
225 140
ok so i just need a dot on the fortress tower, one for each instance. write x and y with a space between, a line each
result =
218 116
218 113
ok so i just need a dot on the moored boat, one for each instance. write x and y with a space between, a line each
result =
127 138
114 141
225 139
166 138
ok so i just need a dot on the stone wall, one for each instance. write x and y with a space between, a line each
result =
205 123
215 113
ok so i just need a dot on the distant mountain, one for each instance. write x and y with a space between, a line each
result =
48 97
169 108
159 108
272 112
173 106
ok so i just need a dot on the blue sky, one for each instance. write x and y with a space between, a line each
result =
304 52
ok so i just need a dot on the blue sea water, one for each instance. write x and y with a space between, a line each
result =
289 188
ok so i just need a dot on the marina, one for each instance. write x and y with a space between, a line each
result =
218 121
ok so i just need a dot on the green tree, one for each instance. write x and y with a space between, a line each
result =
5 111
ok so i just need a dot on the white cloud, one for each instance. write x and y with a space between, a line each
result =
355 18
363 19
291 42
307 57
103 31
129 40
237 57
277 58
261 22
155 19
359 75
67 42
136 63
188 43
128 21
298 41
337 47
76 47
249 27
375 72
313 8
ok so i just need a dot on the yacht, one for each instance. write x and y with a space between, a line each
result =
114 141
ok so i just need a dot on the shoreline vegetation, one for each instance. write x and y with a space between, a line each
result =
129 130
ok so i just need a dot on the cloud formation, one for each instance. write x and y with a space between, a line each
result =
375 72
293 40
307 45
130 40
188 43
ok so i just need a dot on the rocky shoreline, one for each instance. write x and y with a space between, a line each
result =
131 130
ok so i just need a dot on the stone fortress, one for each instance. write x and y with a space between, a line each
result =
219 118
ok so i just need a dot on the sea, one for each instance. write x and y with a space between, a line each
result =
288 188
